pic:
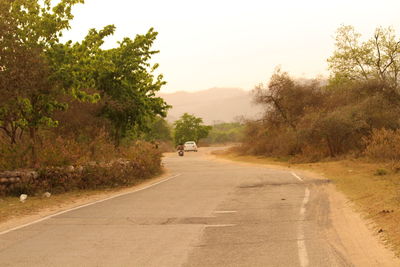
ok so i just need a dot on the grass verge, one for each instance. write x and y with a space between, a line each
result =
373 188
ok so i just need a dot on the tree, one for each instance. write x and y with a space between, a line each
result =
375 59
36 69
28 29
190 128
159 130
223 132
128 86
284 100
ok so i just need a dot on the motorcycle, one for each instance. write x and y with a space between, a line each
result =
181 153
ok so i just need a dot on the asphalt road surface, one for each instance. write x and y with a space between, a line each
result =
211 213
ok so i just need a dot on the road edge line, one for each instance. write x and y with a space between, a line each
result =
86 205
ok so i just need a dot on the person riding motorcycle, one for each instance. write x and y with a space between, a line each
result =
180 149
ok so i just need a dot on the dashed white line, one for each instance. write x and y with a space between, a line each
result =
225 211
305 201
301 245
220 225
86 205
298 177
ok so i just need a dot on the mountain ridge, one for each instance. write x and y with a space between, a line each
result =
212 105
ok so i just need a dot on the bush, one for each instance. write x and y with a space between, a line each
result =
224 133
141 161
261 139
13 157
57 150
380 172
383 145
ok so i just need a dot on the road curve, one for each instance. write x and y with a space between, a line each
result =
211 213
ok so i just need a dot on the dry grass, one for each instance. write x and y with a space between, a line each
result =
372 187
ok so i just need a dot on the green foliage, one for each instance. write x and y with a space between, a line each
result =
29 29
37 71
159 130
225 133
77 66
190 128
377 58
129 86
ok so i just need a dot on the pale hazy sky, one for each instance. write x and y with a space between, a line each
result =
235 43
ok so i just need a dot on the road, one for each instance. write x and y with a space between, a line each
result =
210 213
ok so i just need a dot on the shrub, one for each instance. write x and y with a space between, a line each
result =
13 156
380 172
383 145
142 160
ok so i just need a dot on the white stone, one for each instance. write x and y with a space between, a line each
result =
23 197
70 168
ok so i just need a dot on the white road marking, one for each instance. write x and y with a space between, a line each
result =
220 225
305 201
86 205
298 177
301 244
225 211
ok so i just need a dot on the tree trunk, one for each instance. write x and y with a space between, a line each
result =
117 137
330 147
32 135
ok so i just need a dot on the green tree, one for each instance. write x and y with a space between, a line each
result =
159 130
29 29
377 58
128 86
190 128
36 69
224 132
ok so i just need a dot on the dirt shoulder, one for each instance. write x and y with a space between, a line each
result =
370 189
13 213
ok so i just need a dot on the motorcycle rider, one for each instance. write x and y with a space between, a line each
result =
180 148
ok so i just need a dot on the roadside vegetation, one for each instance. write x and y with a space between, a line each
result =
81 116
225 133
190 128
346 128
354 113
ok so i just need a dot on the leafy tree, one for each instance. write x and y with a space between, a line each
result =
128 86
36 69
77 65
190 128
28 29
225 132
123 77
376 58
159 130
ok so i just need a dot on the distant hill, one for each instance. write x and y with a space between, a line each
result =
215 104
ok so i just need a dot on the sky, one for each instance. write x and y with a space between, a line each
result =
234 43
